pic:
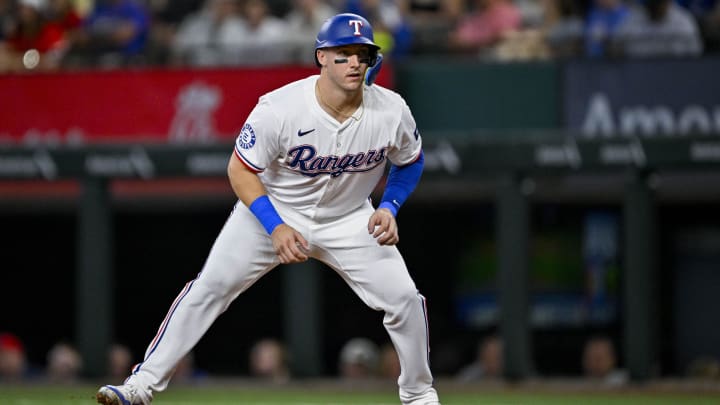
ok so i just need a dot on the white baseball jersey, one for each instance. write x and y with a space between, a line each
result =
321 167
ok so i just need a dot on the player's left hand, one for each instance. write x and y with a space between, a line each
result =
383 227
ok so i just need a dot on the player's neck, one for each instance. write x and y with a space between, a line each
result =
340 104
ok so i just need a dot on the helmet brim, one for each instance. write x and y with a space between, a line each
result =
347 41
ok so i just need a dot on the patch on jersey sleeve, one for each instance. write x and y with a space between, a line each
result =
246 139
416 134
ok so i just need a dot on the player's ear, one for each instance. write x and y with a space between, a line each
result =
320 55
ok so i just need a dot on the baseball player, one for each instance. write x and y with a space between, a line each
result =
305 162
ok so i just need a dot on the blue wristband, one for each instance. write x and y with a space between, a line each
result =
401 182
264 211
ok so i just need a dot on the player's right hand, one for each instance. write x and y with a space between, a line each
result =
289 244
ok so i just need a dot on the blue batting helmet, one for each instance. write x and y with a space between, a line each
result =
346 29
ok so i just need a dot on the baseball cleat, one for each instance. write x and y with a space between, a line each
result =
122 395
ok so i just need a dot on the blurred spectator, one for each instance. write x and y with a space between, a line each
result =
564 27
704 368
599 362
447 357
187 372
697 8
480 30
166 17
391 26
304 21
389 362
7 18
531 12
207 37
527 42
113 34
431 10
172 12
63 13
359 359
263 40
34 42
430 22
119 362
268 360
488 363
603 20
660 28
64 363
522 45
710 28
13 362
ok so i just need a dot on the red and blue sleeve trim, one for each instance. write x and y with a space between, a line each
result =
247 163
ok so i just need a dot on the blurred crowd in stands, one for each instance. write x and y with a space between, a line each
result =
359 359
102 34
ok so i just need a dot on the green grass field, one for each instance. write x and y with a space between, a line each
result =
42 395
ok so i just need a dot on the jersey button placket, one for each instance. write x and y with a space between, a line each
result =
337 142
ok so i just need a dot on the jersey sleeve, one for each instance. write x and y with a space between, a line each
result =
257 144
407 143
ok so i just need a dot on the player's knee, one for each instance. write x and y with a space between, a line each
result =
405 296
407 301
214 287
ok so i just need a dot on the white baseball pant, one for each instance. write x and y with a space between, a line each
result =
243 252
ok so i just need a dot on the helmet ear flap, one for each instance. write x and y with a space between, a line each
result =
373 57
373 70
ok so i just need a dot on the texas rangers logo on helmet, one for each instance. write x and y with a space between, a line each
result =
357 24
246 140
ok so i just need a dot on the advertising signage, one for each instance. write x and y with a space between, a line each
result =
177 106
649 99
